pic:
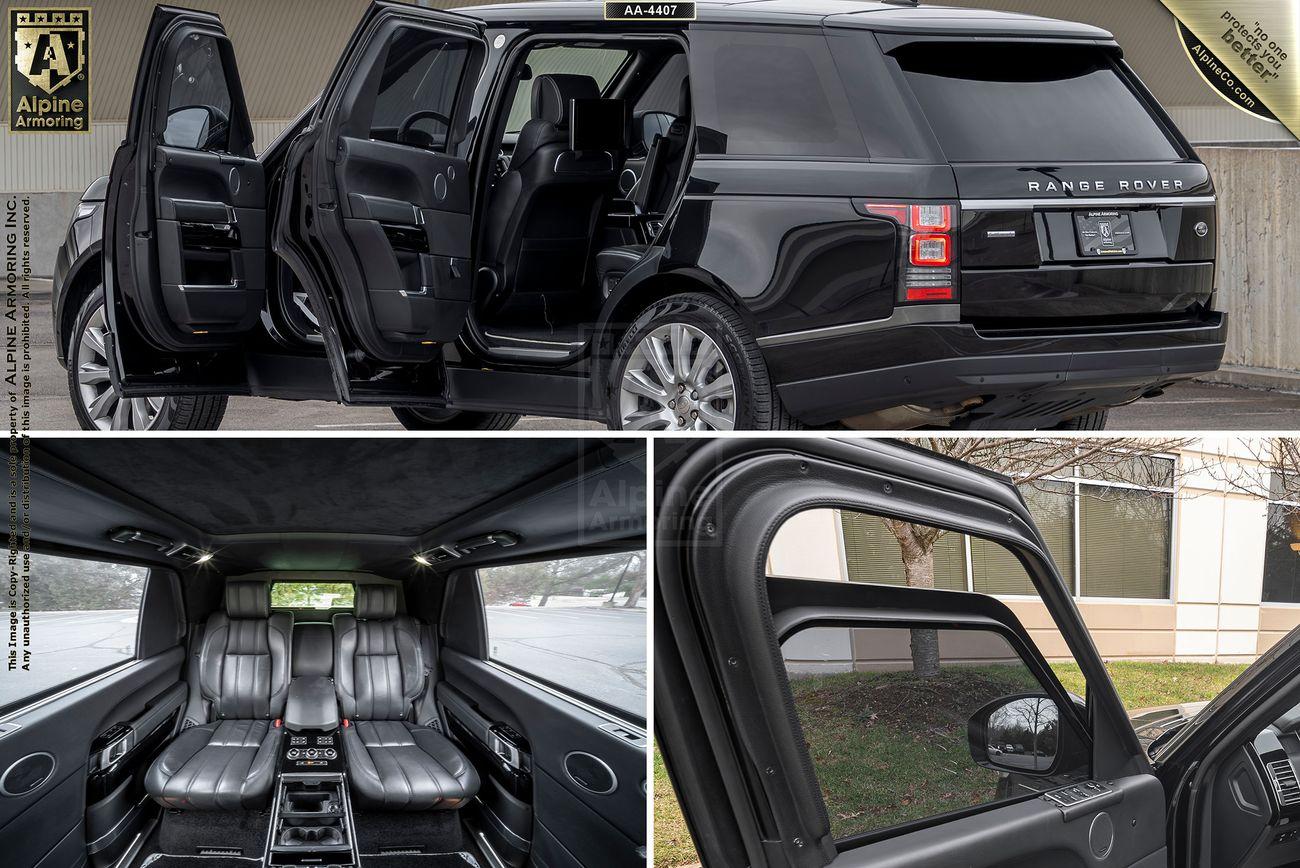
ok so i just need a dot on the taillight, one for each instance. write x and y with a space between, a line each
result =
931 250
926 265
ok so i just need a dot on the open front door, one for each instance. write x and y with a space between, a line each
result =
185 227
378 227
810 723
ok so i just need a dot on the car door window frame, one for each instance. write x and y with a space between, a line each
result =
239 140
736 674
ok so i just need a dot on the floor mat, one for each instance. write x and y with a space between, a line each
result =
188 833
427 860
158 860
431 831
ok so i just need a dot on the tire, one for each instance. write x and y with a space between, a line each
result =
424 419
749 402
1094 421
98 408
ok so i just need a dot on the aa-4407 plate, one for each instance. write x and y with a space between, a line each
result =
1104 233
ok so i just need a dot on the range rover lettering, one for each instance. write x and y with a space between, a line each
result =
780 214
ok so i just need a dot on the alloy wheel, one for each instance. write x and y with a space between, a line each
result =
102 404
677 379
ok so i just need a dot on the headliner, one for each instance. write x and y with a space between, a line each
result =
399 487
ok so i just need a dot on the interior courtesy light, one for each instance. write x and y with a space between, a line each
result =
423 561
203 558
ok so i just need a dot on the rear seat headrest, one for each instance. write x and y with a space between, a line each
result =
248 600
376 601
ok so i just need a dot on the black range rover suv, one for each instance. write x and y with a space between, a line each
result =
781 213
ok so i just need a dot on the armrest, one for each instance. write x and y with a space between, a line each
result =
311 704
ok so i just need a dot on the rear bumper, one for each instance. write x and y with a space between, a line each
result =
1024 380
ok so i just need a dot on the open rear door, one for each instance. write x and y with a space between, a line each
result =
185 228
810 723
378 227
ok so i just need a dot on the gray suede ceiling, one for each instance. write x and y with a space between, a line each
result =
382 486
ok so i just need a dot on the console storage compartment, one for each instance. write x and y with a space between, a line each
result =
312 825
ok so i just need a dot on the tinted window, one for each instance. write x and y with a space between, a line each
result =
417 89
198 99
885 713
761 92
1282 540
664 94
576 623
323 596
83 621
1008 102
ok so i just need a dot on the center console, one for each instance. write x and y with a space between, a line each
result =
311 821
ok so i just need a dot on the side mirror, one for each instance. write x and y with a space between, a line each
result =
647 125
195 126
1023 734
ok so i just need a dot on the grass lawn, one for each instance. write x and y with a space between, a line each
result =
837 711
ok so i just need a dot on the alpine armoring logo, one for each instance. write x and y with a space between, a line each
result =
49 82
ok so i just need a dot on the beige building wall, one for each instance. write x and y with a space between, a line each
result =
1214 613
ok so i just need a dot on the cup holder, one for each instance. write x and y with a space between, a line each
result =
311 836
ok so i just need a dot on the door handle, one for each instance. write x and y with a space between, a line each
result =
111 746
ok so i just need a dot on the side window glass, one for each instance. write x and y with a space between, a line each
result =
664 93
198 98
85 615
416 99
770 93
903 724
576 623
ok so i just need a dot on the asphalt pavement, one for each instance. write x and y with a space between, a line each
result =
66 646
596 652
1187 407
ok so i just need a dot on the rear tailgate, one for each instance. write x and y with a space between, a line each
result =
1080 202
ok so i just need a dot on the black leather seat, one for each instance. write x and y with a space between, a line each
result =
243 669
544 210
379 672
653 193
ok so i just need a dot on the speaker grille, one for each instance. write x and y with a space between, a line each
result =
590 772
27 774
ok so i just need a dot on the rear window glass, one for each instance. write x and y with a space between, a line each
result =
325 596
770 93
1010 102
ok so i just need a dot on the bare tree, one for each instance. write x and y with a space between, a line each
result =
1028 461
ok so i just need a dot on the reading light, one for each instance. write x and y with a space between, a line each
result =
423 561
203 558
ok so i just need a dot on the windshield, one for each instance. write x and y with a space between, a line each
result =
1030 103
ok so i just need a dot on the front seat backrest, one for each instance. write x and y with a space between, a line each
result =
245 656
544 210
378 664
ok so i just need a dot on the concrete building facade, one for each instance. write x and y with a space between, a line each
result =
1228 593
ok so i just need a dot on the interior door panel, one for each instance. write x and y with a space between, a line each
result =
53 816
185 227
1127 833
408 213
572 826
211 237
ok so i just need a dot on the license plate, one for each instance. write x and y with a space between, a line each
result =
1104 233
